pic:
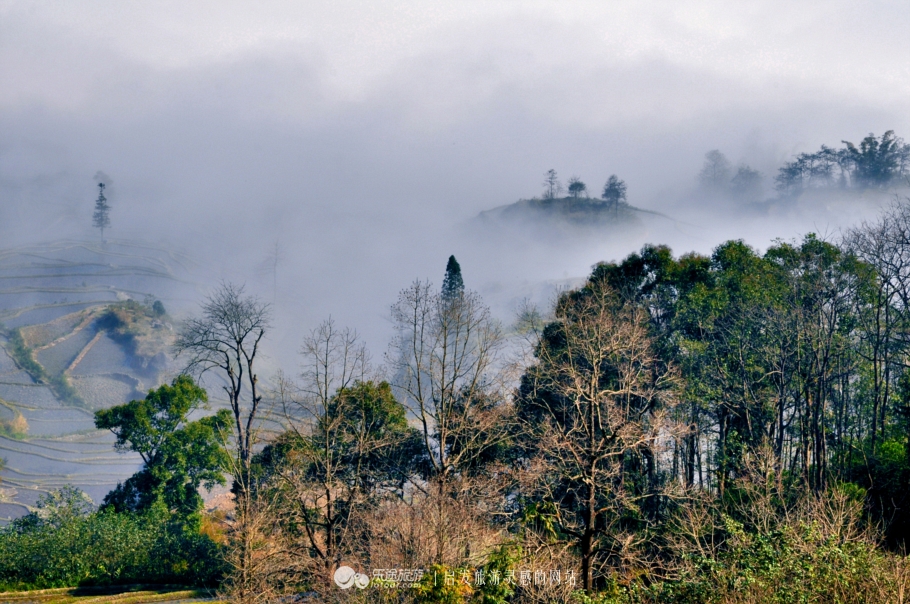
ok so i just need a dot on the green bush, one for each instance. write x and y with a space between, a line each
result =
64 543
24 358
22 354
793 565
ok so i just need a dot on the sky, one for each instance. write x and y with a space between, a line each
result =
362 137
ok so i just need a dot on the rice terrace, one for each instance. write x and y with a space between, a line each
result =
75 339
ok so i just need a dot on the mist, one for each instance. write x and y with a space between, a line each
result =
363 138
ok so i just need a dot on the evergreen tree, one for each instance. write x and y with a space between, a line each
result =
101 218
452 284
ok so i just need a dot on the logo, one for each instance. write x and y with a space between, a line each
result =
346 577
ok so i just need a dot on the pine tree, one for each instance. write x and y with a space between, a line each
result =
101 218
452 284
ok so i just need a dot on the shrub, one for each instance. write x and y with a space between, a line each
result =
64 543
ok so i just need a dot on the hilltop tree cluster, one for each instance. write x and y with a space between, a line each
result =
613 195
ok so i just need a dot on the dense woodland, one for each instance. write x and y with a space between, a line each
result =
723 428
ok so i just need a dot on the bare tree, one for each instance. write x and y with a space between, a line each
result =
327 489
595 406
445 358
446 367
551 184
226 339
263 564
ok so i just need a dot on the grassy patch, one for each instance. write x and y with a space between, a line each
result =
16 428
23 355
127 594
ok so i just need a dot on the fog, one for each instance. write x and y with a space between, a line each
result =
362 137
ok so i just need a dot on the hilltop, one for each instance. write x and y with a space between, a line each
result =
572 211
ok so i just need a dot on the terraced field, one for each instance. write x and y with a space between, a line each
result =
59 361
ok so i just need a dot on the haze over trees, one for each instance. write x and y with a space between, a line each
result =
677 429
874 163
101 217
723 427
715 174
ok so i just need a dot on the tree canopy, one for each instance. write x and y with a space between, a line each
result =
178 455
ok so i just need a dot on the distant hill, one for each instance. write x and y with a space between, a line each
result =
576 211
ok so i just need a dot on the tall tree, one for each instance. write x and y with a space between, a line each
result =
101 217
595 406
226 339
715 173
614 194
445 359
452 283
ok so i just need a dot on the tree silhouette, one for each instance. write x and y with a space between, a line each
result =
576 187
101 218
452 283
877 161
746 183
715 174
614 193
552 186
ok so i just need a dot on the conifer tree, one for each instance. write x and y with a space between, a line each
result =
452 284
101 218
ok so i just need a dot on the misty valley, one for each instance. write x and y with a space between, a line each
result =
730 424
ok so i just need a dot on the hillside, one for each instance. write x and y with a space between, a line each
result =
571 211
79 331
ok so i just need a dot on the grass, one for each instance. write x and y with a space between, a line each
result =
122 594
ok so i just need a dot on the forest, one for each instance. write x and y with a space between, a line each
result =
732 427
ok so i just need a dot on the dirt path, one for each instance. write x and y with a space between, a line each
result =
83 352
82 325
